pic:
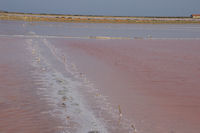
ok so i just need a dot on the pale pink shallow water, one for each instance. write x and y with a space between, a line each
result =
39 94
156 82
21 109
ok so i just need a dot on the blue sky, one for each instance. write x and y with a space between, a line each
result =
105 7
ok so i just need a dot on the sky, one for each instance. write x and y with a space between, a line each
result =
105 7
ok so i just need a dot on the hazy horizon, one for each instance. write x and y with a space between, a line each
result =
105 7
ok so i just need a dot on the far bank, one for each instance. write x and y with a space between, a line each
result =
96 19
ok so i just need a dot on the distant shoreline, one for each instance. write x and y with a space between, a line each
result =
96 19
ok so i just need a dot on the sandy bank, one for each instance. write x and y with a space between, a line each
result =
97 19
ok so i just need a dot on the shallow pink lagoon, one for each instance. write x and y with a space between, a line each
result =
156 82
52 83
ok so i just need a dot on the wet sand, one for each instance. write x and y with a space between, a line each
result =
155 82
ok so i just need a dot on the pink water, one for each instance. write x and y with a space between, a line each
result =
21 109
156 82
50 84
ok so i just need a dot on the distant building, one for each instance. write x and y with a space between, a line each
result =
195 15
